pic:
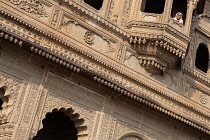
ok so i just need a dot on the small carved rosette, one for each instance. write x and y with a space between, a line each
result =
203 98
89 37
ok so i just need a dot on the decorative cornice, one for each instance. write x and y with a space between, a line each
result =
151 104
11 38
195 73
161 26
161 41
132 88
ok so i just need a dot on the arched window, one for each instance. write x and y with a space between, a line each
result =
152 6
179 6
97 4
61 125
202 58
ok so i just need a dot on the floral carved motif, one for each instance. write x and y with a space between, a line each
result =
89 37
31 6
203 98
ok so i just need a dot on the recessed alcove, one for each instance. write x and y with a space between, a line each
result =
202 58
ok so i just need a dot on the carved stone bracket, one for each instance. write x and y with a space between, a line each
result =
152 64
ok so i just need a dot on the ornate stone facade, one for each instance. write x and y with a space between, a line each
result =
118 72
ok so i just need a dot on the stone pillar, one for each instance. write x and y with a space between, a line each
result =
167 11
190 7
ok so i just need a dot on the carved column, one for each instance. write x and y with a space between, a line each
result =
190 7
167 11
135 9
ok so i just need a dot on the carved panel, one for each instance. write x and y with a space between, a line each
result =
38 8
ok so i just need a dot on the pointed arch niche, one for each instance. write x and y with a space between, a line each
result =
62 124
202 58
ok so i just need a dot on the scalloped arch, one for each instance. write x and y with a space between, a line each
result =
79 123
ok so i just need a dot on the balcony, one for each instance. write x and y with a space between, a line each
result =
159 41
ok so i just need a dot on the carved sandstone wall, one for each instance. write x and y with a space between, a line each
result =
39 90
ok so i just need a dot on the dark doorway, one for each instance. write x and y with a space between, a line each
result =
97 4
151 6
202 58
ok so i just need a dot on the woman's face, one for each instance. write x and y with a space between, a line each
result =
178 16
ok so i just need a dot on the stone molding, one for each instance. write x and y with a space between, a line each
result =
117 81
160 40
160 26
196 74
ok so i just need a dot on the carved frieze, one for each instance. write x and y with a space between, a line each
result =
31 6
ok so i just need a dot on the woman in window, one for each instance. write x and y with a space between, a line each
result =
178 17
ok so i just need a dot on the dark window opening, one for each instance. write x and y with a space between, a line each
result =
57 126
1 103
202 58
200 6
2 91
152 6
97 4
179 6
